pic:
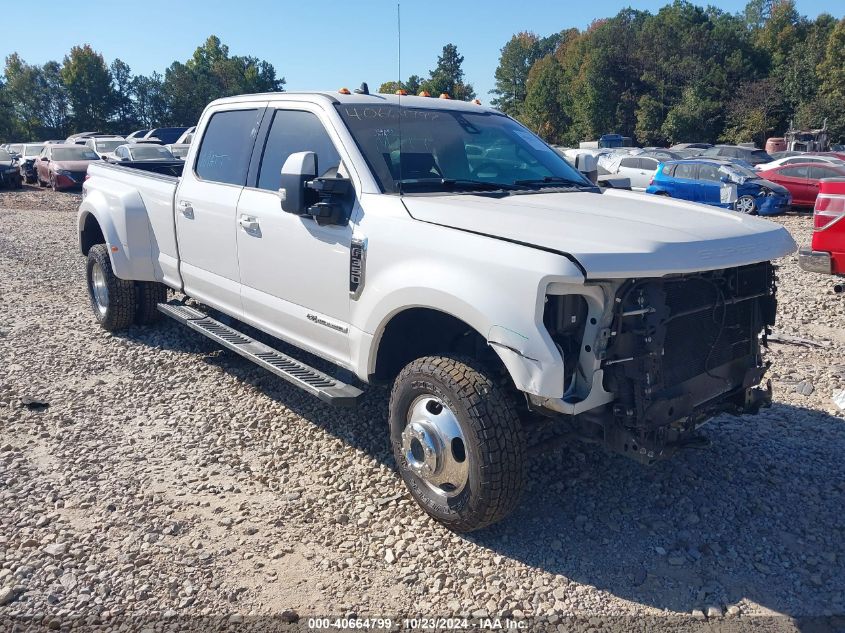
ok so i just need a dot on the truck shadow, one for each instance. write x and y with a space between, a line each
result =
758 516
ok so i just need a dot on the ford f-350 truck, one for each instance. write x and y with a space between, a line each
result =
441 248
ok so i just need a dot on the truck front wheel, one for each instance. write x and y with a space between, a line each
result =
457 441
112 299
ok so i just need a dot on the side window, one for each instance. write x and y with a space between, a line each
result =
817 172
226 146
789 161
649 164
631 162
686 171
709 172
295 131
795 172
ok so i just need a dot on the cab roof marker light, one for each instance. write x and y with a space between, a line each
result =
401 92
424 93
477 101
443 95
344 91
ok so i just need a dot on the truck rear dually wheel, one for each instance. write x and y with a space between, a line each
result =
112 299
457 441
150 294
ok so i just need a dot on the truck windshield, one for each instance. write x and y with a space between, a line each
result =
445 150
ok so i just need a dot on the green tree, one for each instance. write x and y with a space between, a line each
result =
54 112
545 108
448 76
89 88
124 111
210 74
755 113
150 101
515 62
695 116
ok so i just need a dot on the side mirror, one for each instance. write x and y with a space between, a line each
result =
298 169
588 165
725 179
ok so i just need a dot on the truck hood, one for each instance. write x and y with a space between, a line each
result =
614 234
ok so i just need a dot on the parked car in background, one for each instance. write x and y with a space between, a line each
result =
701 146
141 152
180 148
750 155
26 162
638 169
10 175
826 252
187 136
800 158
785 154
720 183
80 137
64 166
54 142
802 179
105 145
137 134
14 148
661 154
166 134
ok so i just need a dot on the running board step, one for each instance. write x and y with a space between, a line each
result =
295 372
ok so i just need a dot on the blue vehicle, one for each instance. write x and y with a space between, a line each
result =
719 183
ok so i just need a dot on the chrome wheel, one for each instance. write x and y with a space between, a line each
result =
99 289
745 204
434 447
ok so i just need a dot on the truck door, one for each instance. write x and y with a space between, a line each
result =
206 206
294 273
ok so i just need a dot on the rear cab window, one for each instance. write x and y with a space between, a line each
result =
226 146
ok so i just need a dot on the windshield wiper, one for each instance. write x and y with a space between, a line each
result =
451 184
553 181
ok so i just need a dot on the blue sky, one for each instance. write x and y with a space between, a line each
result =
314 45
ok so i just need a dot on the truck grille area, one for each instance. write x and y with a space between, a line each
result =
686 346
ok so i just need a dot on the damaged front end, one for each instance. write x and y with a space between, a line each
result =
680 350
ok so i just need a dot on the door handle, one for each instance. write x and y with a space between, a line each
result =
249 223
186 209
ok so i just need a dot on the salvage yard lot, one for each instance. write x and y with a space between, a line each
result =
173 479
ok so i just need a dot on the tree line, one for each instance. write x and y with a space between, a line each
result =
84 93
685 73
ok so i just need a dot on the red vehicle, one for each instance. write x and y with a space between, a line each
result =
802 179
826 253
64 166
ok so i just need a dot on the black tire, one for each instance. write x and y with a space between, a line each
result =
119 310
663 193
149 295
493 440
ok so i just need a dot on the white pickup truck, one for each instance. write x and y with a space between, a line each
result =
441 247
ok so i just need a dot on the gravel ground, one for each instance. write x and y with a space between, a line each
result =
172 480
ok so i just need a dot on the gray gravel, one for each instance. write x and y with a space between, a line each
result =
172 480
